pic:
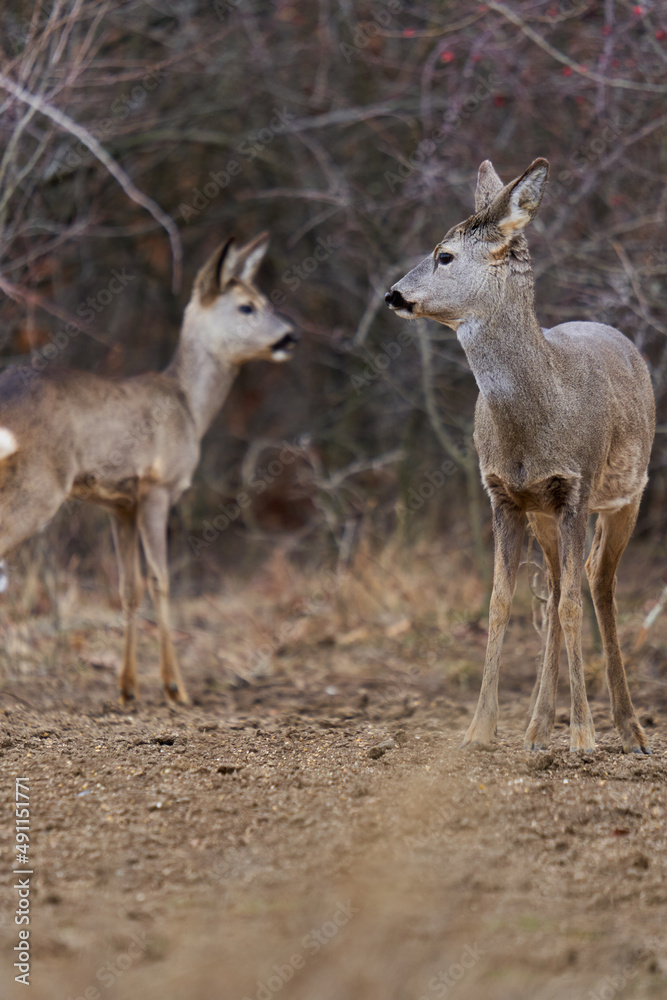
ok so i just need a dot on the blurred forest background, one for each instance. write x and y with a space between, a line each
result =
353 132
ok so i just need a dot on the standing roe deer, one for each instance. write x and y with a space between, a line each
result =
132 444
563 427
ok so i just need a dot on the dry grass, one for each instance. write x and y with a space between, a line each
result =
420 608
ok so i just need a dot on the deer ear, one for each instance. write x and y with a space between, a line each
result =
250 257
518 202
217 271
228 263
489 185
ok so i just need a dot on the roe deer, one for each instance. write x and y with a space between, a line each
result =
132 444
563 427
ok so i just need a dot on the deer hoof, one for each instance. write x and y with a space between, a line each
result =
633 738
538 734
467 744
582 745
176 694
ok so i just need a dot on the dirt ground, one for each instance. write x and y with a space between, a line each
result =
308 827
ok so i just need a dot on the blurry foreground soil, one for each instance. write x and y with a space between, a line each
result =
308 827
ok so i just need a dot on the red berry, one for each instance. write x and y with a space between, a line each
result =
499 101
660 34
567 71
638 10
408 32
447 56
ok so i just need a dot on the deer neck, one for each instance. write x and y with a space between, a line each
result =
508 355
203 375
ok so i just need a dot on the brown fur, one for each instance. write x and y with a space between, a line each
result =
563 427
132 444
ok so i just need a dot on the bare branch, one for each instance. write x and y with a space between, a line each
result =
653 88
107 161
19 294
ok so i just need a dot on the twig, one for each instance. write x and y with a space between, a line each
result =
337 478
654 88
24 701
376 301
644 309
651 618
107 161
441 431
19 294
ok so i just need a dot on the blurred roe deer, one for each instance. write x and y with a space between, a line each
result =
563 428
132 444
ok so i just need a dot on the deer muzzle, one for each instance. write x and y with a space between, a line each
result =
395 300
284 347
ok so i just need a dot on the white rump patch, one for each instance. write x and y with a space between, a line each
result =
8 443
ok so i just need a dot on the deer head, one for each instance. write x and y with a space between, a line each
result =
465 275
233 319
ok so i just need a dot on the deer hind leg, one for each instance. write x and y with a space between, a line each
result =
28 500
612 532
572 539
544 712
153 513
126 541
508 530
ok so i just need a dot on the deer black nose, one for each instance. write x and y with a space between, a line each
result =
395 300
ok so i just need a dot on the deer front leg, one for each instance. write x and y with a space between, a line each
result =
508 529
572 537
544 709
126 542
153 513
612 531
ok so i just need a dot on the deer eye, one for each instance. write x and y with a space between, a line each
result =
246 309
445 258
